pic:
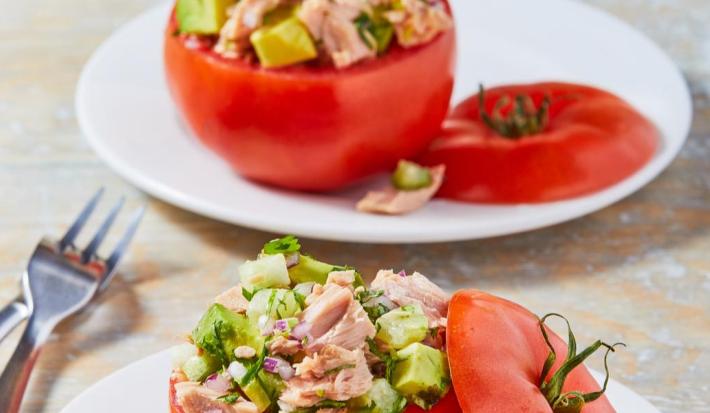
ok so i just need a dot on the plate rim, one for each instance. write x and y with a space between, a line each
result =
163 358
221 212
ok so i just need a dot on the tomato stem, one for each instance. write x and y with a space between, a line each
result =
572 401
524 119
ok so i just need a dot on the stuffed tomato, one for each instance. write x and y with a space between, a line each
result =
298 335
310 94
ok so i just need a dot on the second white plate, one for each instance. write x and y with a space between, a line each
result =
125 111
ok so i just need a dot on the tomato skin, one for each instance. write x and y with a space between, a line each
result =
448 404
312 128
496 354
593 140
174 406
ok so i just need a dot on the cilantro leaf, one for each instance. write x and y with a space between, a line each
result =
286 245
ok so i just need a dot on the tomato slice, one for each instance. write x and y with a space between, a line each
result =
312 127
497 353
593 139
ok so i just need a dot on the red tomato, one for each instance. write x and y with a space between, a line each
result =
593 140
312 127
496 354
174 406
448 404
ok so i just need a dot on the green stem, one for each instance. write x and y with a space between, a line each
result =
572 401
524 119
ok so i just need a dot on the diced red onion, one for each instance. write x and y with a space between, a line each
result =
279 366
301 330
402 274
281 325
218 383
292 259
286 371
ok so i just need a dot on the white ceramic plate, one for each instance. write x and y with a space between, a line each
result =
142 387
126 113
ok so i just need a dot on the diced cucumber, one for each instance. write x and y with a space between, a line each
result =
202 16
220 331
402 327
285 43
198 368
381 398
276 304
409 176
181 353
421 374
269 271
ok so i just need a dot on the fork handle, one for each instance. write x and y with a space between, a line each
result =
12 315
14 378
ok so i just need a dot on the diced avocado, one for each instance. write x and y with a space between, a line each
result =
381 398
269 271
276 304
202 16
421 374
310 269
283 44
264 390
197 368
409 176
220 331
402 327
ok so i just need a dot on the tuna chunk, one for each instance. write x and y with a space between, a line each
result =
283 346
342 278
414 289
418 22
332 23
327 309
333 374
233 299
350 332
337 318
394 202
246 16
195 398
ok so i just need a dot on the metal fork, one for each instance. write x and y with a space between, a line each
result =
60 281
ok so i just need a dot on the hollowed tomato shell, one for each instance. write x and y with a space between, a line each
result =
312 127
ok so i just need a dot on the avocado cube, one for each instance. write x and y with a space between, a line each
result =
202 16
198 368
264 389
310 269
283 44
221 330
421 374
402 327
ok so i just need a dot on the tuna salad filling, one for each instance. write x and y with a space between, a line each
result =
285 32
300 335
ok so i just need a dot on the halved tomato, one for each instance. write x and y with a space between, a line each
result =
585 140
312 127
497 354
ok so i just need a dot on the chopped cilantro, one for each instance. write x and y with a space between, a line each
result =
286 245
230 398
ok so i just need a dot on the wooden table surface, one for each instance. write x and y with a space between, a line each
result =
637 272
